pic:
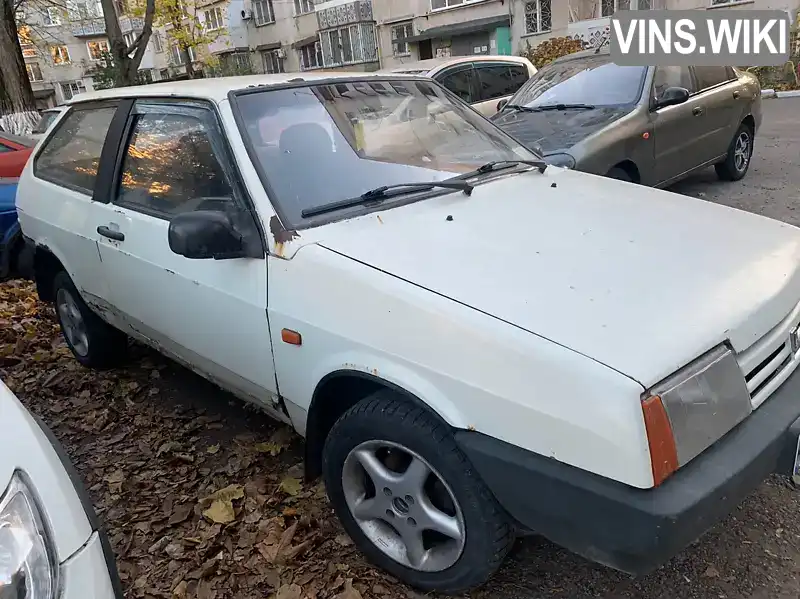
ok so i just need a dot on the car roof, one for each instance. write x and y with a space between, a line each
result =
217 88
431 64
17 139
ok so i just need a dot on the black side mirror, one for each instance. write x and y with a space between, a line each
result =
205 234
501 104
672 96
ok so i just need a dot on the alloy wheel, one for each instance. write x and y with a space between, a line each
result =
72 322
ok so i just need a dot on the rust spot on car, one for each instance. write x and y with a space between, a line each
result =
280 233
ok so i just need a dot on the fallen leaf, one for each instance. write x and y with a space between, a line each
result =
289 591
179 592
268 447
115 480
343 540
349 592
291 486
228 493
212 449
220 512
180 513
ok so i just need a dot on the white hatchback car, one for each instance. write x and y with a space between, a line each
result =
474 344
484 81
51 545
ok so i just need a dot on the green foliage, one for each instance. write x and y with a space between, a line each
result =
551 49
104 73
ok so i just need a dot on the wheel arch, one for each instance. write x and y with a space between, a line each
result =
336 393
750 121
46 265
629 166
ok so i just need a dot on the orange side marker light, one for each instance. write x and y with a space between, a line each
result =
291 337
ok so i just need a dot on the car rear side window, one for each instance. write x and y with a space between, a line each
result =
71 156
710 76
462 84
4 148
172 165
498 80
666 77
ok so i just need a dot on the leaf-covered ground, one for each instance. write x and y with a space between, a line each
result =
194 507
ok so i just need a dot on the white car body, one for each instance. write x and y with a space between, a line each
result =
537 312
439 69
83 569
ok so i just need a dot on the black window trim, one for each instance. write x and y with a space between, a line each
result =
711 87
478 65
86 105
241 195
455 70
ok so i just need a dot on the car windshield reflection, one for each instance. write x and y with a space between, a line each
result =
320 144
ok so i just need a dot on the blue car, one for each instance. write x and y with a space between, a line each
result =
11 243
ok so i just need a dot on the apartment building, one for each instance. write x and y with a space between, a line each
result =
63 45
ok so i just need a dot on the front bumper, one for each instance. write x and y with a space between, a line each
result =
85 574
637 530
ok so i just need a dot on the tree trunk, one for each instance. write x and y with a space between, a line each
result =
17 107
127 66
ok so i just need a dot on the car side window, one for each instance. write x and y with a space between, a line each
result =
710 76
71 155
672 77
172 164
461 83
4 148
498 80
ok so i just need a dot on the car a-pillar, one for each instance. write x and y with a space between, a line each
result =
402 488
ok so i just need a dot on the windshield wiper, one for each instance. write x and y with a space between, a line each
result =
497 165
385 192
519 107
544 107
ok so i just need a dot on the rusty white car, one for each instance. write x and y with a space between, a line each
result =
475 344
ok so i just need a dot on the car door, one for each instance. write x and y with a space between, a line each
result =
497 81
677 129
717 89
58 205
209 314
460 80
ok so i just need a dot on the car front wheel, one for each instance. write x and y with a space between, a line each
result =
93 342
410 500
737 161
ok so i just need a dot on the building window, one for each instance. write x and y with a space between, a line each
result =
213 19
72 89
349 45
80 11
164 74
121 6
310 56
609 7
176 55
158 45
263 12
302 7
440 4
29 50
52 16
34 71
97 49
60 55
538 17
400 32
272 62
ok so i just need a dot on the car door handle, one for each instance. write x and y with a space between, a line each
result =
111 234
697 111
736 95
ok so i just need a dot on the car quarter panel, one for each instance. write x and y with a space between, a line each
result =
475 371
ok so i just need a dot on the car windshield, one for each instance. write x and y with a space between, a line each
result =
44 122
319 144
589 81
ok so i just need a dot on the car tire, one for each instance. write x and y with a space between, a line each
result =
421 483
740 153
620 174
93 342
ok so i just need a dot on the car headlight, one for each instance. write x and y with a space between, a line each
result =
690 410
565 160
28 565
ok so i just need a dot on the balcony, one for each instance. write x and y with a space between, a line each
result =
91 28
128 24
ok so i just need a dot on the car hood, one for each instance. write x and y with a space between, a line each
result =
26 447
555 130
639 279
